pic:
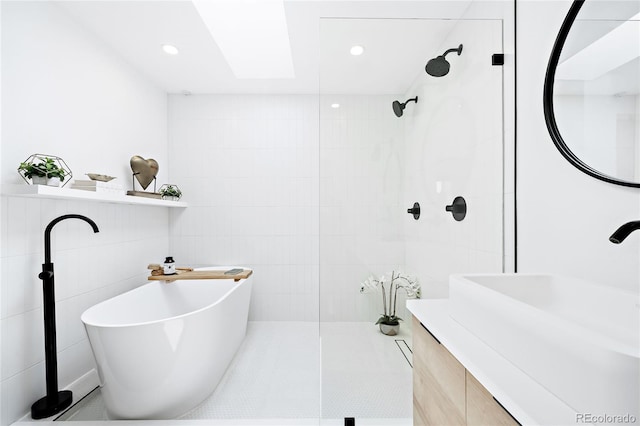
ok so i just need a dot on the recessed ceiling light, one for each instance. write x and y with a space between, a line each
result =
335 105
170 49
357 50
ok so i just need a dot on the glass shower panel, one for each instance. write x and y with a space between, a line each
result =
365 374
373 166
361 235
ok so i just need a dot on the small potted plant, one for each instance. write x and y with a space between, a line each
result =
170 192
390 323
44 170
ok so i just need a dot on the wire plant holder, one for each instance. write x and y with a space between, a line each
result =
59 170
170 191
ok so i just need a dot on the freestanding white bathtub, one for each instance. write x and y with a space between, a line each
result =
162 348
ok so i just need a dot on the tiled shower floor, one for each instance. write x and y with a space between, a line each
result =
283 371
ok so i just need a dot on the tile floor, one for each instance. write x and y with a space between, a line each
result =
284 373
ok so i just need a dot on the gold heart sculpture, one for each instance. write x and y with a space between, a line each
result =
144 170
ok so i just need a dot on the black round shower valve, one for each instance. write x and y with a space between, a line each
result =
458 208
415 210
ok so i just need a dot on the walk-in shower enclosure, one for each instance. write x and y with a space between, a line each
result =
374 165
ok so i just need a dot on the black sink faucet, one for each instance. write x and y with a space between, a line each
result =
624 231
55 401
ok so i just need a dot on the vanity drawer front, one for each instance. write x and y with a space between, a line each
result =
482 409
438 382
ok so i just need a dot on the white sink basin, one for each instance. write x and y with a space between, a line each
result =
577 339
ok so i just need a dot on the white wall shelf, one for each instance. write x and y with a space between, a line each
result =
42 191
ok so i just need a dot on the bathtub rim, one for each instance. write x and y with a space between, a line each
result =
158 282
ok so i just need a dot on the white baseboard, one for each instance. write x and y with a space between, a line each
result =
83 385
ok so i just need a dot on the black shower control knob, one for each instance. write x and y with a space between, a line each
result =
458 208
415 210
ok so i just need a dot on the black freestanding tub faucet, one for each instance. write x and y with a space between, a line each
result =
55 401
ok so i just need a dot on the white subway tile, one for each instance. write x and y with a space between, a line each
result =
15 244
23 342
20 391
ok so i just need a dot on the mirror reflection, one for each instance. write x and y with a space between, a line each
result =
596 88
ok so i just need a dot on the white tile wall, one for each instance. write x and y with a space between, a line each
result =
248 167
361 170
89 268
86 105
454 147
373 166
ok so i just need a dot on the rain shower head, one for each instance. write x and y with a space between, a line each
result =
398 108
438 67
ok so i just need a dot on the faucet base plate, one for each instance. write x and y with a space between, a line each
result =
48 406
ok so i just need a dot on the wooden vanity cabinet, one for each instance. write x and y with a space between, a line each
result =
482 408
438 382
444 392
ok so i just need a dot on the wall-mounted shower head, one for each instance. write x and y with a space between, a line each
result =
398 108
438 67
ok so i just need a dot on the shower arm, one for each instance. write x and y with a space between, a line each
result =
457 49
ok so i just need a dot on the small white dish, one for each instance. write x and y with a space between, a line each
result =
101 178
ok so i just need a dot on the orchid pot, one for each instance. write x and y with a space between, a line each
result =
389 322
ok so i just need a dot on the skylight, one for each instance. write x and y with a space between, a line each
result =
607 53
252 35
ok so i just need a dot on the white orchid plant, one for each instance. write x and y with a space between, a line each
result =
389 290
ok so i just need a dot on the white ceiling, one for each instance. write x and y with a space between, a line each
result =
396 50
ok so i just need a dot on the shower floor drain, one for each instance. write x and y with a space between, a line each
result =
406 350
88 408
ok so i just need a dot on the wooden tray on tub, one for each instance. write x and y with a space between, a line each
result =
185 274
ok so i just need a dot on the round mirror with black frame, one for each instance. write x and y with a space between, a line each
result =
591 90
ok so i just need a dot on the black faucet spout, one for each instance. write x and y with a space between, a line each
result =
624 231
47 231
